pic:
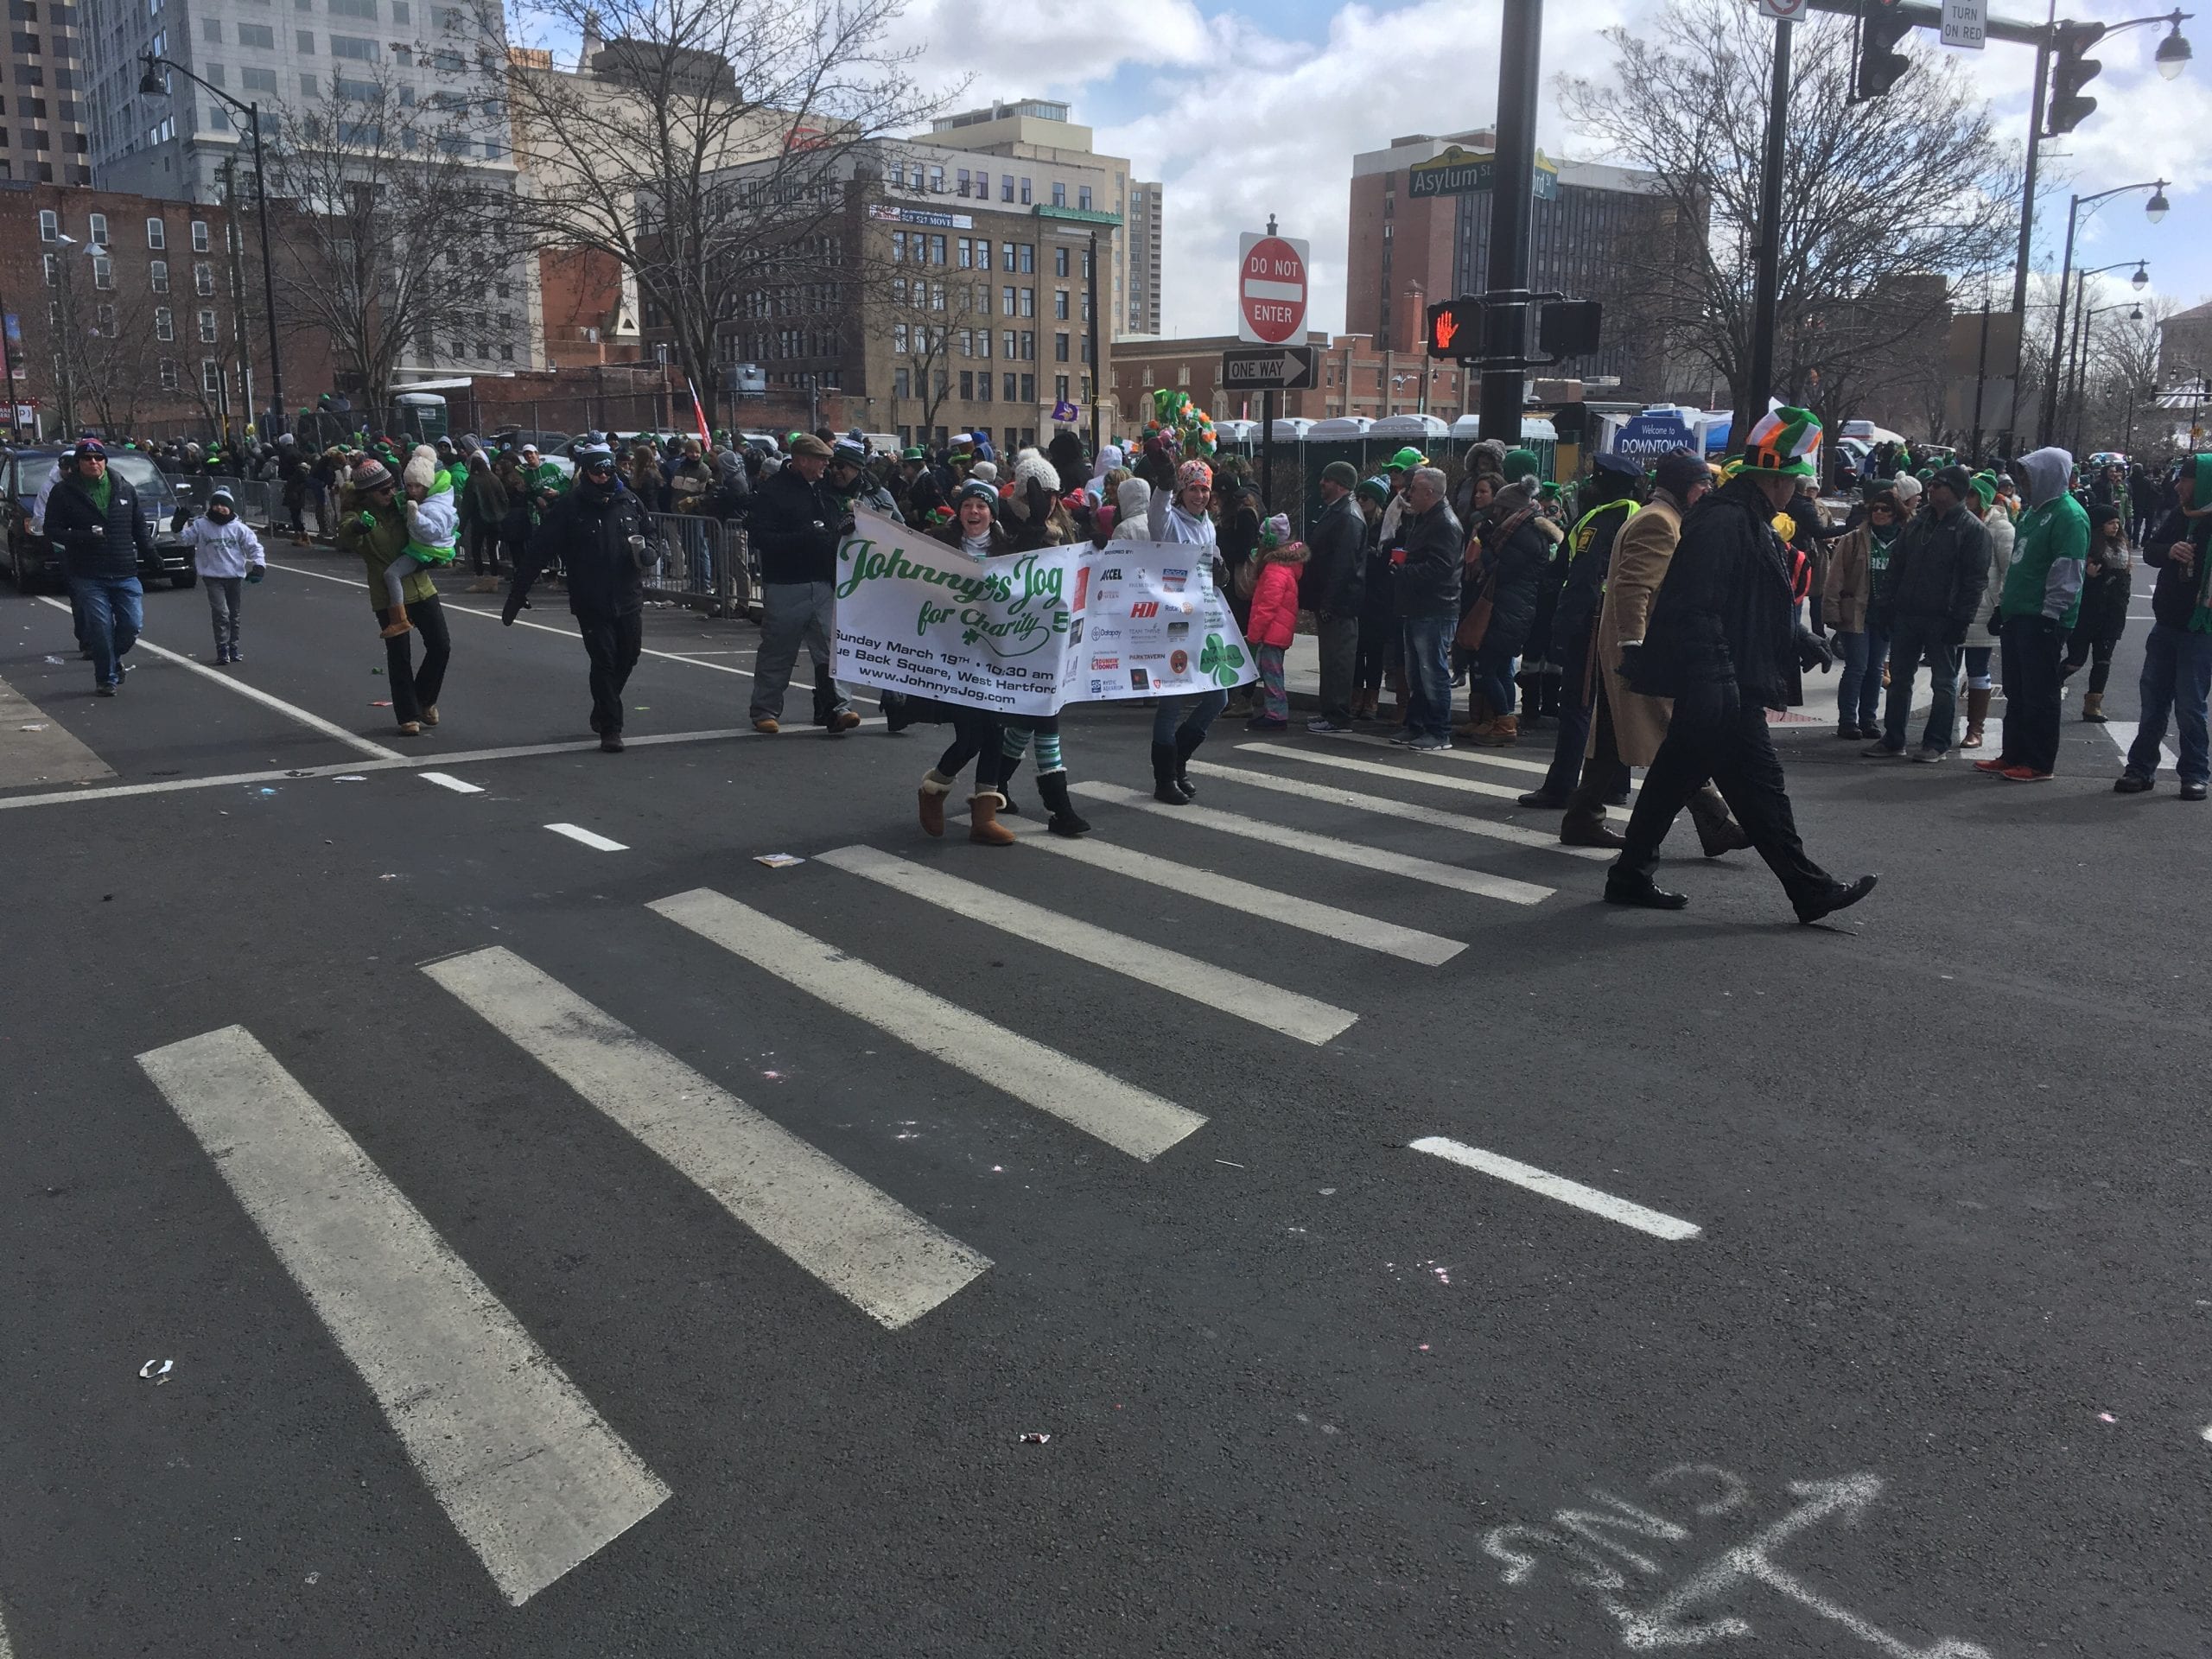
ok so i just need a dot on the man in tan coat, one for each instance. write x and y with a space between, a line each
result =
1626 728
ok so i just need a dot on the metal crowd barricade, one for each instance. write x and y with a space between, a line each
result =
704 564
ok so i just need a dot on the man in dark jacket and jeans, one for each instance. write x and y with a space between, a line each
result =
1724 643
1425 573
601 533
1335 584
94 516
1925 602
2177 653
794 525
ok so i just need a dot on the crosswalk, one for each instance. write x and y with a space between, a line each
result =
535 1478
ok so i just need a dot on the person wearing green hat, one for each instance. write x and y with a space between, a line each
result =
2041 601
1723 642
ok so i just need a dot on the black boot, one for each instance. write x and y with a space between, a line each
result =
1186 744
1007 808
1052 787
1837 895
1163 777
1624 885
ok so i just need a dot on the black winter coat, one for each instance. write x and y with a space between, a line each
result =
1937 571
794 527
1428 578
589 536
2173 600
1724 615
1512 570
94 545
1336 569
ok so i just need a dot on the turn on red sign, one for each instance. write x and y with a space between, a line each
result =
1271 289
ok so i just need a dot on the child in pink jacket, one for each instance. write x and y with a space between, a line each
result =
1279 562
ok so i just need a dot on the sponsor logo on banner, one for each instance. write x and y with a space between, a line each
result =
1139 681
1172 580
1145 607
1075 634
1102 635
1081 588
1109 575
1097 662
1179 630
1180 662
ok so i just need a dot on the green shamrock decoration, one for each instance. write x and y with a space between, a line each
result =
1220 660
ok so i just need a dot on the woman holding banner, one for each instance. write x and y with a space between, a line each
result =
975 531
1033 505
1180 725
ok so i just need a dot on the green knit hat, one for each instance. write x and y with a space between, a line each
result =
1783 444
1520 464
1375 490
1985 488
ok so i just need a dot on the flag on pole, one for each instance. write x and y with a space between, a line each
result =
699 415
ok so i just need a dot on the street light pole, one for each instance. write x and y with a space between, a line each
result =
2155 210
1512 209
151 85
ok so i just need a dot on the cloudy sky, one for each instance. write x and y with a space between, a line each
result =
1241 108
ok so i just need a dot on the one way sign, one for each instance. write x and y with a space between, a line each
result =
1269 368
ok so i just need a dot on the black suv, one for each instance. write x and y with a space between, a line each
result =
34 562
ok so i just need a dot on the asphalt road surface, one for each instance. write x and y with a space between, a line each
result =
435 1230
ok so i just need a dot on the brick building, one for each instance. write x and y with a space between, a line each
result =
1357 377
136 315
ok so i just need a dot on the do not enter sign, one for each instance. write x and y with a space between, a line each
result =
1271 289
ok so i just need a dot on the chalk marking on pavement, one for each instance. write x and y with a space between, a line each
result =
1347 925
522 1465
1460 752
1294 1015
1127 1118
1402 774
1435 875
1385 806
865 1245
445 780
589 837
2122 732
1623 1210
547 627
405 763
352 740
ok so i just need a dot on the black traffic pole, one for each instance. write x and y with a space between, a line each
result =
1098 376
1267 431
2028 222
1513 188
1767 277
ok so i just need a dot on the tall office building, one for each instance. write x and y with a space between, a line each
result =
1142 311
43 78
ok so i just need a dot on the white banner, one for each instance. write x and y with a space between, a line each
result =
1026 633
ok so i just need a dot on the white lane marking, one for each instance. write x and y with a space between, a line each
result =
1384 806
1214 888
590 838
445 781
1384 859
522 1465
469 757
547 627
1127 1118
2122 732
1623 1210
1293 1015
1402 774
862 1243
1462 752
352 740
6 1651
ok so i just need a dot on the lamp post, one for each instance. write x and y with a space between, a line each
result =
2081 375
2077 351
2154 210
151 85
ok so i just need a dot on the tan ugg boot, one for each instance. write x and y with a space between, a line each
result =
934 786
1977 716
396 623
2092 707
1502 732
983 825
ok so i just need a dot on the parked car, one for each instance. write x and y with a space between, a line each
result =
35 562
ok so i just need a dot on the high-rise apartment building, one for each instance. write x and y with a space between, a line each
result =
1143 306
42 137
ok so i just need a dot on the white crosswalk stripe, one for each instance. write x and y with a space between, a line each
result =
1588 1198
883 1257
1382 805
1408 774
1266 833
1288 1012
1215 888
1459 753
1126 1117
513 1452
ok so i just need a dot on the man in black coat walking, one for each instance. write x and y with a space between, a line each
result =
601 533
1335 586
795 527
1724 643
94 516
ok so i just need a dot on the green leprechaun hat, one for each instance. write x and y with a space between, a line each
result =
1784 443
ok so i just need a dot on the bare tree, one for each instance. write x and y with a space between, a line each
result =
696 137
93 360
399 235
1877 196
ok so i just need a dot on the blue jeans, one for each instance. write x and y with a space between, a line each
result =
111 610
1850 683
1494 679
1870 685
1190 713
2176 677
1917 640
1428 674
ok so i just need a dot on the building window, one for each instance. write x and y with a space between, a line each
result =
164 323
260 80
157 273
203 279
1028 346
1060 303
1005 296
49 224
103 271
967 252
157 234
104 321
966 384
256 34
1009 346
1060 264
354 9
984 387
1059 388
1028 301
1059 348
1028 388
211 375
1059 193
353 47
1005 187
210 30
53 270
199 236
937 180
1025 193
207 328
306 39
1006 255
1028 253
898 247
1082 197
900 379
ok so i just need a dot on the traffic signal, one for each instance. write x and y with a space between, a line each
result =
2070 71
1880 64
1455 329
1568 329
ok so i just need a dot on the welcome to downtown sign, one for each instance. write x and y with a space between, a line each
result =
1026 633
